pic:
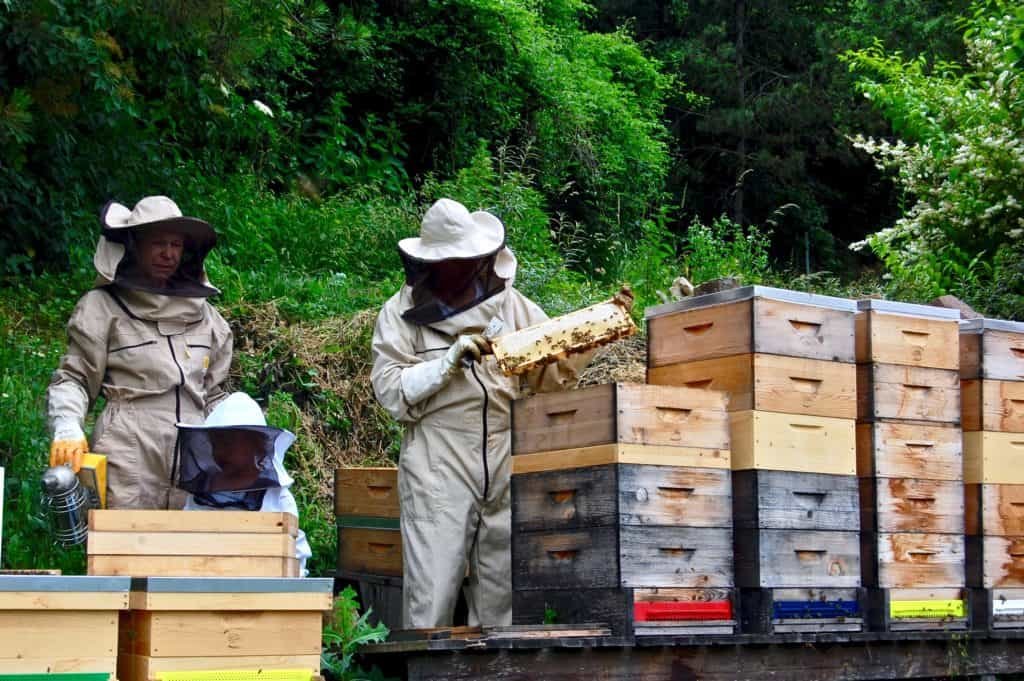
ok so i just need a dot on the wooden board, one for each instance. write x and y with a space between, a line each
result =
232 522
994 458
903 450
993 405
144 668
809 444
784 500
995 561
913 560
190 544
222 634
887 338
674 595
369 492
598 455
796 558
63 600
993 354
700 333
192 566
891 391
58 664
612 606
911 505
994 509
624 413
628 494
771 383
675 557
795 330
68 634
270 601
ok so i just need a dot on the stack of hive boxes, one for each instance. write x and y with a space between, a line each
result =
370 539
621 510
181 624
60 625
786 359
992 373
910 464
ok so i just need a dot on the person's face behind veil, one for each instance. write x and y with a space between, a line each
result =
239 453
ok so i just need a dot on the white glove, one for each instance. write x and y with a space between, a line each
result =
420 381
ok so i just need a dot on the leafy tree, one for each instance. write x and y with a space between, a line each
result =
959 160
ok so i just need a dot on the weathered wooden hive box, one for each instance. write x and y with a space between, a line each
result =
192 543
621 508
786 359
55 624
992 383
221 624
370 539
910 463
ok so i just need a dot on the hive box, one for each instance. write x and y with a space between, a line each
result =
369 537
192 543
195 624
55 624
907 335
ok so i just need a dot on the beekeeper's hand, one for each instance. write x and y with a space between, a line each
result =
466 349
69 444
625 297
422 380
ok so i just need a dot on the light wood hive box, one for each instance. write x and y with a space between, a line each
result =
369 536
192 544
623 491
240 623
56 624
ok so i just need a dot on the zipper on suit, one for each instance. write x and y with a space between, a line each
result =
177 408
483 444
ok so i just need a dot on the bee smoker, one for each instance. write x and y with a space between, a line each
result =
69 497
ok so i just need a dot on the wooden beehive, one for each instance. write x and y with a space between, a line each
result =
56 624
369 538
192 543
186 624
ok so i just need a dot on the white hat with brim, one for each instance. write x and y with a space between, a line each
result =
238 411
155 212
450 232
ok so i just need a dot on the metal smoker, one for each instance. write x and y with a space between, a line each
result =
68 499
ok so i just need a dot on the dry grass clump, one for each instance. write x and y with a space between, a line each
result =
624 362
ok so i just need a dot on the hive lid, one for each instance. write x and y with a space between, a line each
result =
979 325
747 293
232 585
912 309
63 583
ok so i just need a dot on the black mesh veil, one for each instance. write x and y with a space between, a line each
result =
427 308
227 466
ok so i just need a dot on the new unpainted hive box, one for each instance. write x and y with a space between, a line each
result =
369 536
192 543
56 624
196 624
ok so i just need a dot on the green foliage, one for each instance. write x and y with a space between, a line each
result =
960 161
343 635
726 249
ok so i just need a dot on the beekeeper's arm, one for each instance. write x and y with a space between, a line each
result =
220 362
402 381
77 380
565 373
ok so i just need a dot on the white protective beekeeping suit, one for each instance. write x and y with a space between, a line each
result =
157 357
271 491
454 470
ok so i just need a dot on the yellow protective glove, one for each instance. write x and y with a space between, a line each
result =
69 445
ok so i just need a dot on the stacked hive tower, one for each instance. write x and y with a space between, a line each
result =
621 510
910 464
786 359
369 538
992 373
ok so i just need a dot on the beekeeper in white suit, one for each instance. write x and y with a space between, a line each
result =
235 461
453 474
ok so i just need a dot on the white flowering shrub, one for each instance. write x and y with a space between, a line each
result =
959 158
